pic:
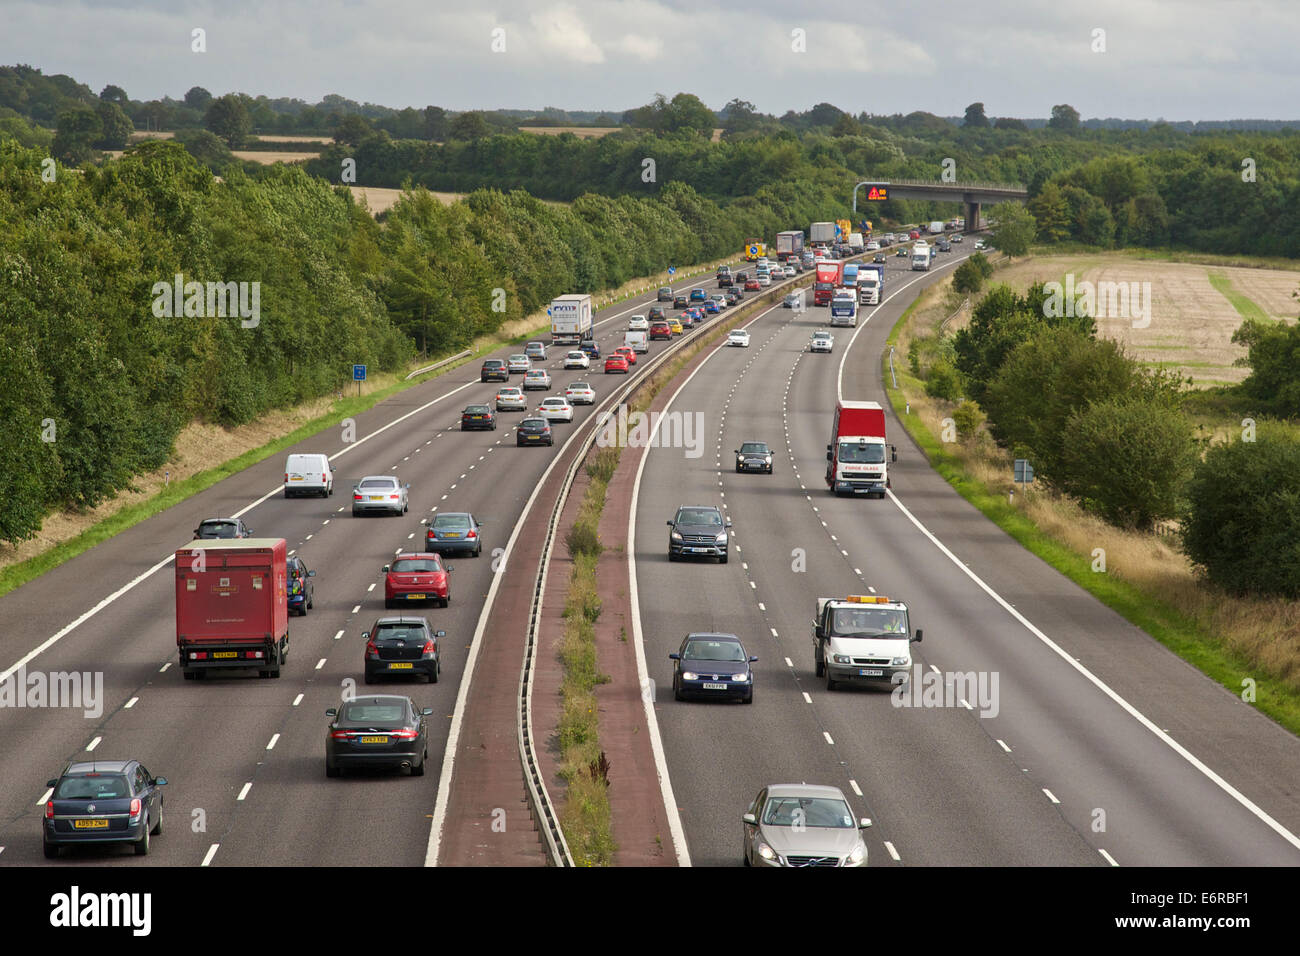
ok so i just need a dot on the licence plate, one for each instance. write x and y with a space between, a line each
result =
374 740
450 534
698 550
715 686
90 824
871 673
861 491
415 597
400 667
225 655
295 477
478 418
376 497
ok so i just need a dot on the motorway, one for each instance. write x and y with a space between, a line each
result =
1103 748
244 757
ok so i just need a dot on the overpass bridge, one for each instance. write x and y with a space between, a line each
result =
972 194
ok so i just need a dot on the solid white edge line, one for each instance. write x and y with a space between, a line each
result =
675 828
1102 686
1109 859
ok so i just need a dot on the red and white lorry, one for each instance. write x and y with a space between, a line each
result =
858 455
826 281
232 606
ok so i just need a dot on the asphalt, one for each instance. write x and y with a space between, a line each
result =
1061 773
243 756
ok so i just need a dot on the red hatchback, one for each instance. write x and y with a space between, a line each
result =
753 286
416 577
616 363
627 353
660 330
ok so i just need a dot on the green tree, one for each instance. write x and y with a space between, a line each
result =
1051 212
228 117
1273 356
115 94
1006 122
975 116
967 277
1128 459
30 470
79 128
1247 538
115 126
435 124
1064 117
197 98
469 126
1015 229
687 112
353 130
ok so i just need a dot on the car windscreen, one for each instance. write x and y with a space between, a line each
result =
399 632
853 453
699 518
378 484
753 448
476 409
416 565
808 811
533 423
714 651
218 529
868 622
361 712
98 787
451 522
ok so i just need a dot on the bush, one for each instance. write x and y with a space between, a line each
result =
967 417
967 277
1242 519
581 539
944 381
602 465
1127 459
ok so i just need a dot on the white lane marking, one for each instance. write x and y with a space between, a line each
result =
892 852
130 703
271 745
339 634
1050 796
807 698
297 700
789 663
1102 686
828 738
774 634
45 797
761 607
93 744
371 588
164 667
308 538
935 669
325 522
1109 859
244 791
358 607
320 663
854 785
212 851
1003 745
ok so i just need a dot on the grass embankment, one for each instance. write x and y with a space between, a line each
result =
585 816
1238 642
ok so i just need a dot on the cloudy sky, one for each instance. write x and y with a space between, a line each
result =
1176 59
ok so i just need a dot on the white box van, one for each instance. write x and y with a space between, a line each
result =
308 475
636 341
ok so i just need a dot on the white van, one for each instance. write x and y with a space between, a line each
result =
308 475
636 341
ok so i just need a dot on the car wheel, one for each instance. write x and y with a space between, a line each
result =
188 675
157 827
286 493
819 668
311 601
723 559
744 856
750 698
388 605
417 770
437 670
672 556
330 769
142 844
369 678
355 513
737 469
830 681
478 552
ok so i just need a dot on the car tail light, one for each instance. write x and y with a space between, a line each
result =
135 807
394 497
405 733
286 476
49 809
340 735
372 652
472 534
430 647
323 478
356 497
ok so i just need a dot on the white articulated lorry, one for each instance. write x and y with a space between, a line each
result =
570 319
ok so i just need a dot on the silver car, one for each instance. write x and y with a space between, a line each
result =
520 363
803 825
536 351
537 378
383 493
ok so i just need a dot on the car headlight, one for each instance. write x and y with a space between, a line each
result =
677 536
900 662
858 855
690 675
841 659
740 677
721 539
766 852
768 459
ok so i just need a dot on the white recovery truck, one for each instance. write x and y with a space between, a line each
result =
862 639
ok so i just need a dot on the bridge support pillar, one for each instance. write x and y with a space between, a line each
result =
972 216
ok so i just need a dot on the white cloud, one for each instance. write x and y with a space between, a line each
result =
564 35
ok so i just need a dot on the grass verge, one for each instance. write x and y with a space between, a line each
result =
1246 308
1175 609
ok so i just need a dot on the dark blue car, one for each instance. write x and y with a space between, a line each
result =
698 295
713 666
589 347
103 801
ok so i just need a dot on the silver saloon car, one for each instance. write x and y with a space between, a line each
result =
803 825
382 493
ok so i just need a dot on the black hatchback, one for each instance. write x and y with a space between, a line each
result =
103 801
381 730
402 646
533 431
494 370
478 417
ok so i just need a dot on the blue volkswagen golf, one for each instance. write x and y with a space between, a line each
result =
713 666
